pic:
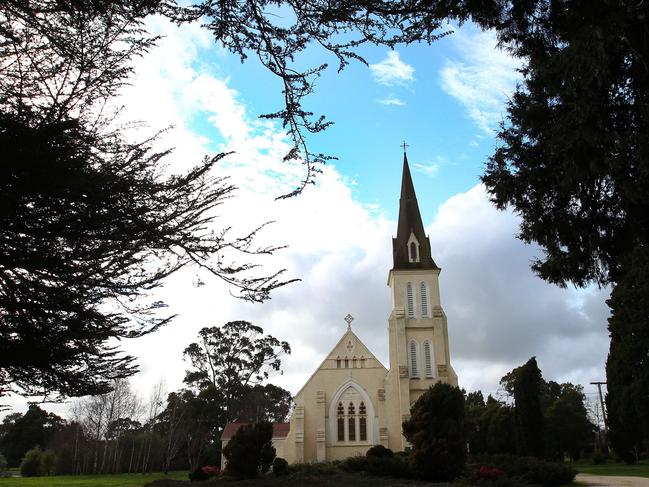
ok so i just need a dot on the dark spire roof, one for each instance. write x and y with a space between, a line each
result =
409 223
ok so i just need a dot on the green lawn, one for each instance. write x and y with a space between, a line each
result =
118 480
640 470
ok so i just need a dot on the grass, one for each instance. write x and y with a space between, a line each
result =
301 479
615 469
117 480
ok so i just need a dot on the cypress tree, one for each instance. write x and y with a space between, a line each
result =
627 367
529 414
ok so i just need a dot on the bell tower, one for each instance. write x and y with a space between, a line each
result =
418 334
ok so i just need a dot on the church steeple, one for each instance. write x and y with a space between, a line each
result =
411 247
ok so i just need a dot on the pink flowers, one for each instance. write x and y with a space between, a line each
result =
211 470
490 473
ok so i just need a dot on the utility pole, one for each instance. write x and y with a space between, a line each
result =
601 402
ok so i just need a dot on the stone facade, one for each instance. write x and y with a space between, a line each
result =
352 401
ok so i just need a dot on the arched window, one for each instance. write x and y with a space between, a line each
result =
410 301
338 363
362 422
414 366
428 359
346 363
354 362
423 292
351 418
341 422
413 252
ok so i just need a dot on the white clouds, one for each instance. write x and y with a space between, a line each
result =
392 70
430 168
482 79
391 100
499 313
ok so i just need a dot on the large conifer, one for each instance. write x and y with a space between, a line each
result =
627 367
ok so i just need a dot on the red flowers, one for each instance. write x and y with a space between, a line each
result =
210 470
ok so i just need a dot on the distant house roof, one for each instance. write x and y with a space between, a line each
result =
280 430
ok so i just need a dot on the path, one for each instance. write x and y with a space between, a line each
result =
611 481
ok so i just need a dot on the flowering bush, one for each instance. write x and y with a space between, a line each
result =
211 470
204 473
490 473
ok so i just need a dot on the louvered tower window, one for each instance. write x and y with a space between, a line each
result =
341 422
414 369
428 359
362 422
410 301
423 292
351 419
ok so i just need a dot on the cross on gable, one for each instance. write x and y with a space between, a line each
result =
404 145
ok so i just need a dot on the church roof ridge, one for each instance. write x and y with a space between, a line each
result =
410 223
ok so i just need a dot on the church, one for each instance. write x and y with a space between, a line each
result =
352 402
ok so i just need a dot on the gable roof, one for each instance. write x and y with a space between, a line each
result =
410 223
362 350
280 430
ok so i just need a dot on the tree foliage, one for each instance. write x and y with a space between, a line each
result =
250 450
627 367
573 154
91 221
22 432
231 358
529 414
490 427
436 432
551 419
265 403
568 430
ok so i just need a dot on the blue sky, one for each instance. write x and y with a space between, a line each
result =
404 94
445 100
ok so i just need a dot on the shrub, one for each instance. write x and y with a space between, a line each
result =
204 473
530 469
32 464
490 473
3 464
317 469
211 470
198 475
599 458
435 431
379 451
280 466
48 462
250 450
355 464
394 466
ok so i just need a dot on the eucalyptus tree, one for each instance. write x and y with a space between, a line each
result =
232 358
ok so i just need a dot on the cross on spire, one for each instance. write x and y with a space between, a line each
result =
404 145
